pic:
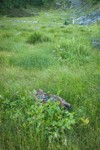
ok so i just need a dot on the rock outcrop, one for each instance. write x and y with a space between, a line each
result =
88 19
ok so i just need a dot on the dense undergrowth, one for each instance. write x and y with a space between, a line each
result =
40 52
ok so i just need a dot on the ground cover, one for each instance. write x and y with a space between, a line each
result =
41 52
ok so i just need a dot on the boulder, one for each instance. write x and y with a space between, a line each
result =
41 95
96 43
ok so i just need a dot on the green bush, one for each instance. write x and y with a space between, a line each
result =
38 37
92 1
22 3
24 113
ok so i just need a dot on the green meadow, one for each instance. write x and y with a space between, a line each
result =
40 52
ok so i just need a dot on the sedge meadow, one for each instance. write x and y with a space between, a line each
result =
41 52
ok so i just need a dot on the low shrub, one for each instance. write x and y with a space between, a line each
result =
24 113
38 37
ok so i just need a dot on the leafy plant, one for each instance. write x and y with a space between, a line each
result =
47 117
25 124
38 37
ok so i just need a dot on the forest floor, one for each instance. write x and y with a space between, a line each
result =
41 52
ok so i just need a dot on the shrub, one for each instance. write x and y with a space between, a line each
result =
24 113
38 37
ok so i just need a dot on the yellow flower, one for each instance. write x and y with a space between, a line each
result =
85 121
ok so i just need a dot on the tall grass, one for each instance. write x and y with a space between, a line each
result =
38 37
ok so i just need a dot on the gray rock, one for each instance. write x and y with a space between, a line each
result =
88 19
44 97
96 43
58 4
25 21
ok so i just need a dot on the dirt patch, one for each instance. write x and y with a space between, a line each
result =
16 13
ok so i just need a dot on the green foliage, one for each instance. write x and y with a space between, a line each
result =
11 3
38 37
66 22
32 60
67 66
71 50
47 118
47 2
24 3
93 1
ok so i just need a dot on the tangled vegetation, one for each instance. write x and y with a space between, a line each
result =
40 52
